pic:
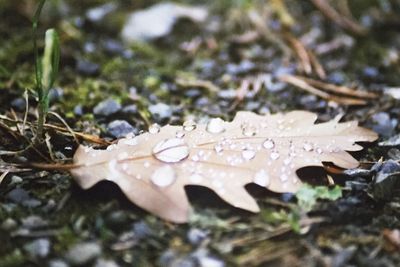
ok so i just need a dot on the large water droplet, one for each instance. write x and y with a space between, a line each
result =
216 126
274 155
261 178
171 150
248 154
189 125
308 146
269 143
154 128
163 176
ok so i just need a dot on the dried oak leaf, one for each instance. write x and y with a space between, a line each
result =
153 168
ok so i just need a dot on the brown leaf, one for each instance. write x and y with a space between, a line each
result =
153 168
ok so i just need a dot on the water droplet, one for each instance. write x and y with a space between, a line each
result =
284 177
261 178
274 155
111 147
171 150
129 141
248 154
180 134
196 178
146 164
287 161
319 150
269 143
216 126
308 147
249 130
218 148
163 176
154 128
189 125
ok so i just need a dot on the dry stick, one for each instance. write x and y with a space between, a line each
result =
339 88
307 87
3 175
198 83
26 111
344 22
87 137
66 125
301 53
319 70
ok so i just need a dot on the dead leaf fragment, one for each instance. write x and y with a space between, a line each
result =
153 168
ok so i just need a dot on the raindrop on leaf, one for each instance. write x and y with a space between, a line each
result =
154 128
171 150
163 176
216 126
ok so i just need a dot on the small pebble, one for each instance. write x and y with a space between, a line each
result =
58 263
39 248
105 263
196 236
107 107
83 253
88 68
120 128
160 111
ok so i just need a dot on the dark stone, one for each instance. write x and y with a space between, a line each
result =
18 104
18 195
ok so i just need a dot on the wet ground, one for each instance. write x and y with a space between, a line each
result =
110 85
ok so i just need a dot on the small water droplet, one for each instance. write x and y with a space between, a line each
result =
274 155
129 141
249 130
163 176
287 161
171 150
180 134
261 178
218 148
307 146
216 126
284 177
319 150
111 147
189 125
248 154
146 164
269 143
154 128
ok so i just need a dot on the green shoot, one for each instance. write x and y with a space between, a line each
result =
46 69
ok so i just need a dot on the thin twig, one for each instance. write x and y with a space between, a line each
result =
344 22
